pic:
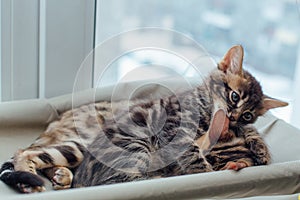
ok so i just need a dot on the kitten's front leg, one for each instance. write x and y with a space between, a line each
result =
193 161
257 146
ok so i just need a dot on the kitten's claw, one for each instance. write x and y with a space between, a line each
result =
62 178
235 165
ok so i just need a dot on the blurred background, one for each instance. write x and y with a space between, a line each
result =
43 43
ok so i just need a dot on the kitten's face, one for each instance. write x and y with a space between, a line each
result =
244 98
242 93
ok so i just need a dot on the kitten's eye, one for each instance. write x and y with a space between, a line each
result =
235 97
247 116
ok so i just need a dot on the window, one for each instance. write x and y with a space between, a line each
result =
44 43
268 30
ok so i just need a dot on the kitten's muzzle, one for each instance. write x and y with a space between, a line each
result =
232 116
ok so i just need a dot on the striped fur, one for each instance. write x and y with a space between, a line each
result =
107 145
186 119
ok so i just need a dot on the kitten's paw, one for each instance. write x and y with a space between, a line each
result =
234 165
26 188
24 182
62 178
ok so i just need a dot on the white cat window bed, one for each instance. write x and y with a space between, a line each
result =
22 121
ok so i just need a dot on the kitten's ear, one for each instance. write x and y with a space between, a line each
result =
270 103
233 60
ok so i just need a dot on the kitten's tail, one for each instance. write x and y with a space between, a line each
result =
24 182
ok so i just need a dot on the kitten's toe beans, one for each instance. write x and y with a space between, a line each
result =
62 178
230 166
25 188
234 165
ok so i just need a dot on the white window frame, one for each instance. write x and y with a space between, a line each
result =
31 67
0 52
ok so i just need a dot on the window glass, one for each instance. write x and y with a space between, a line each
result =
268 30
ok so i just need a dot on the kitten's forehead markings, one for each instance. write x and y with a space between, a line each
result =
234 81
242 101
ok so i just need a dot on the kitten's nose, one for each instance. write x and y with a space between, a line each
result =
233 116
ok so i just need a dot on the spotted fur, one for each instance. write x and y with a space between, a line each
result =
140 153
125 146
